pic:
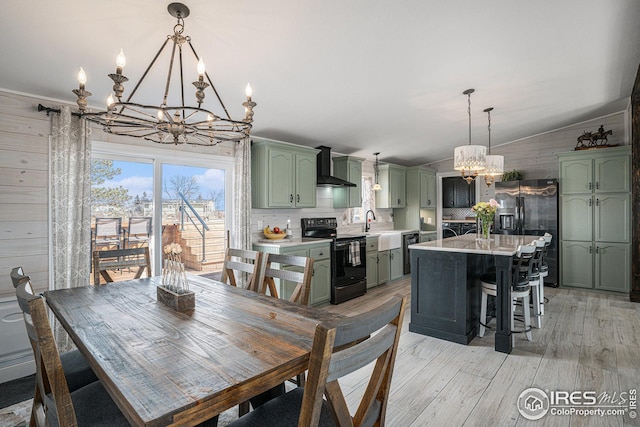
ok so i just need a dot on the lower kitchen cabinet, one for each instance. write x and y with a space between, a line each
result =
372 269
320 282
597 265
372 261
383 266
396 264
427 237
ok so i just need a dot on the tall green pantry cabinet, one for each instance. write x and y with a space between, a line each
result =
595 215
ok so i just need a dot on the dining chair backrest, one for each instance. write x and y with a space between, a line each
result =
346 347
18 276
241 261
107 232
139 229
52 395
116 259
302 279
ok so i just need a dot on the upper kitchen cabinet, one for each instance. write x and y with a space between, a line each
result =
350 169
392 179
282 175
606 172
456 193
427 188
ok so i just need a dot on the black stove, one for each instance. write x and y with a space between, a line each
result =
348 258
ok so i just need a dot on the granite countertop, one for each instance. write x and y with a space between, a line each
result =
500 244
296 241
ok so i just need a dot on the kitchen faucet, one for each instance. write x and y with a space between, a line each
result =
367 226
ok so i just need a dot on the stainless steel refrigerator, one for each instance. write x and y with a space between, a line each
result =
530 207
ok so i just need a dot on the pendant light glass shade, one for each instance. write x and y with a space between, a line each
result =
469 159
376 186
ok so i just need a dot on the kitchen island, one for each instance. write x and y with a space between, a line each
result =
445 286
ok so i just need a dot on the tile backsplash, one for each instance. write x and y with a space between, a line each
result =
324 208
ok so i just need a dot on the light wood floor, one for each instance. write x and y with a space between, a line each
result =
589 341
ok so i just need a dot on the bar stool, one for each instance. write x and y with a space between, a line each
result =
544 268
536 282
520 288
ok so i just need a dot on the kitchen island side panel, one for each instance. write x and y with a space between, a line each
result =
445 294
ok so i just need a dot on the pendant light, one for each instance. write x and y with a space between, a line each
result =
376 186
495 163
469 159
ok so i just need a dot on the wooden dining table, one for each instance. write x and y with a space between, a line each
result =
167 368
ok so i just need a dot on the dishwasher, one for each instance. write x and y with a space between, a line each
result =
408 239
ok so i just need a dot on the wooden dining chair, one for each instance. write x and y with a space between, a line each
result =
300 295
77 371
117 259
339 350
287 263
53 403
241 261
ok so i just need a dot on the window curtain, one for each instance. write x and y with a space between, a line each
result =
70 207
241 231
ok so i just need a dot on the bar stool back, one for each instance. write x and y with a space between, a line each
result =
520 288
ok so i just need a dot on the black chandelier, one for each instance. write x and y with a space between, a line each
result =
166 124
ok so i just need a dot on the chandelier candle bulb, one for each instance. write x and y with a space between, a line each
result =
200 68
82 78
121 61
248 91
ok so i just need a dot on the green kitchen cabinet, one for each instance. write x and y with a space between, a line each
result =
350 169
421 194
428 192
383 266
605 171
577 264
612 265
283 176
372 261
396 264
320 282
595 218
392 179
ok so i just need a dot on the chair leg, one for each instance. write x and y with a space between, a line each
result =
243 408
527 316
535 297
483 315
541 296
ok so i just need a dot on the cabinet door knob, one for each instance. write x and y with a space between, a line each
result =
597 202
590 186
590 202
298 199
597 249
590 249
598 185
291 198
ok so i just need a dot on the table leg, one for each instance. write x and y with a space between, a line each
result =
504 343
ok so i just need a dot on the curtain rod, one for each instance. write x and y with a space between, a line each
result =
49 110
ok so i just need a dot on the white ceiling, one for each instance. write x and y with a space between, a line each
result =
358 75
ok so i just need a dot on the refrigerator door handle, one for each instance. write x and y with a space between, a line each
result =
522 215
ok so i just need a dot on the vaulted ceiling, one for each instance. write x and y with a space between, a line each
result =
359 75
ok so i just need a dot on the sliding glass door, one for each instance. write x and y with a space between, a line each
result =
185 202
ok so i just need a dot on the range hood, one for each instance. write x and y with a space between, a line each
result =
324 170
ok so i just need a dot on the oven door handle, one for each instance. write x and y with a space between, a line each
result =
344 245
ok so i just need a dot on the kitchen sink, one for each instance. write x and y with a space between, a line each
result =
389 240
